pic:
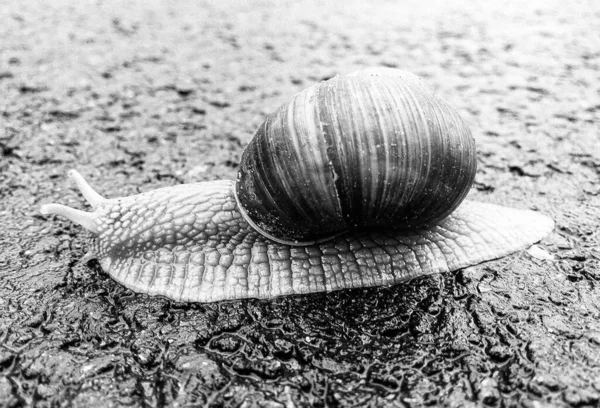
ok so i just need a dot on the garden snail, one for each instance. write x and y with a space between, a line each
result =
356 181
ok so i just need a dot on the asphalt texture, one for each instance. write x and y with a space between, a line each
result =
140 95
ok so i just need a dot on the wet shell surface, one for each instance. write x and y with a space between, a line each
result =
376 148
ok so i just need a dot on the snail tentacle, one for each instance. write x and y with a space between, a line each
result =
87 220
90 195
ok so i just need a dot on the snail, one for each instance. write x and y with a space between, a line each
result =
356 181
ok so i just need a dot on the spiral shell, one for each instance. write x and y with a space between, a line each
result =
375 148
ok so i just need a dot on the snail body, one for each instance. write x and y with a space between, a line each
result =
357 181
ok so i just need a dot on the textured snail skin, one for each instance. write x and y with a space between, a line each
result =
190 243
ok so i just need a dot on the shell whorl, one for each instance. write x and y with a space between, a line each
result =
375 148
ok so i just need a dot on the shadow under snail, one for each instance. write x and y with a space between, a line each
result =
356 181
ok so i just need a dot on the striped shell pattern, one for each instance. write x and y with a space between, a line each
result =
372 149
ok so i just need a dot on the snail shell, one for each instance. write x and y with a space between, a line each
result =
372 149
